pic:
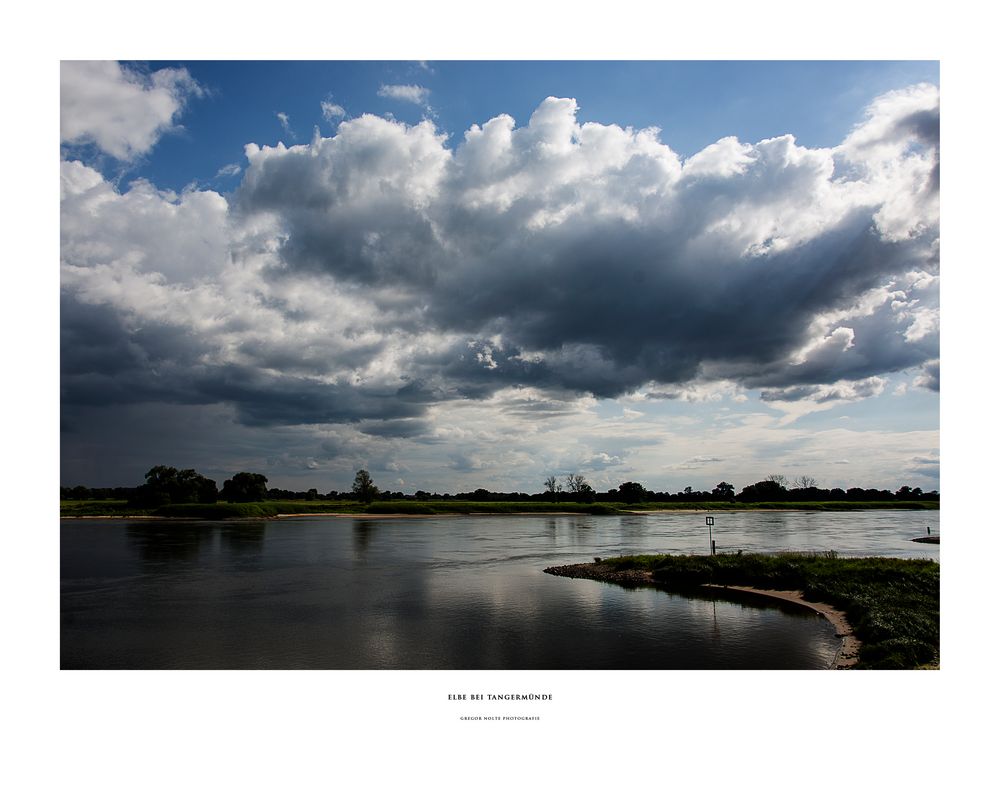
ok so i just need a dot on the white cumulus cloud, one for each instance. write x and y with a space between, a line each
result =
122 111
407 92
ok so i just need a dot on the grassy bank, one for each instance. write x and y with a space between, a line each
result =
472 507
95 508
893 604
265 508
805 505
271 508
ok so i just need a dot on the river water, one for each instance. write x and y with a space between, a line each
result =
439 592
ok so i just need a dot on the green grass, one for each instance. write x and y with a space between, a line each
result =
804 505
97 508
270 508
472 507
265 508
893 604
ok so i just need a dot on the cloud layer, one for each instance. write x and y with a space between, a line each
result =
372 276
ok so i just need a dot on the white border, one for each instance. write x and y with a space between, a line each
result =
276 734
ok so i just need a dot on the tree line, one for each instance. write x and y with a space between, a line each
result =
166 485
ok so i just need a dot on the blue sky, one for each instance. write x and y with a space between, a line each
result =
417 284
694 103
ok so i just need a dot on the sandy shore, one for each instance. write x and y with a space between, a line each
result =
847 657
850 645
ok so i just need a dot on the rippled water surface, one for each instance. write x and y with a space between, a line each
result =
438 593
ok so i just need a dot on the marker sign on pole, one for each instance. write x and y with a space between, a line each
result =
710 521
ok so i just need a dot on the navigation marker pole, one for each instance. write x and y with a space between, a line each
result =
710 521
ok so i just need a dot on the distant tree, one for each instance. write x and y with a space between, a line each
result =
165 485
195 488
579 488
364 487
724 491
779 479
762 492
632 492
804 482
553 487
244 487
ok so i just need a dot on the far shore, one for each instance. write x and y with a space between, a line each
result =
409 510
341 515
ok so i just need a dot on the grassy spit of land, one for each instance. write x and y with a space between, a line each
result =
274 508
892 604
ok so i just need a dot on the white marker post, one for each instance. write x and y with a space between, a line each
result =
710 521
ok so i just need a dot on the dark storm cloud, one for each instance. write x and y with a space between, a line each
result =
395 428
618 307
263 399
104 360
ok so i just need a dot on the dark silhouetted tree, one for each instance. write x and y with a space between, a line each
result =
763 492
724 491
364 488
553 487
577 486
244 487
165 485
632 492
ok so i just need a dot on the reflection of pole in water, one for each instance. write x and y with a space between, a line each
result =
716 631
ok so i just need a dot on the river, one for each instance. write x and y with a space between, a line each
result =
439 592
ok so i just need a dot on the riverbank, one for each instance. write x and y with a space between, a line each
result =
887 610
271 509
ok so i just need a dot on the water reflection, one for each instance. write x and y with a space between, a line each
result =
161 543
243 538
364 531
581 527
633 525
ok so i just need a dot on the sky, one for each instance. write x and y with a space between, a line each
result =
477 274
